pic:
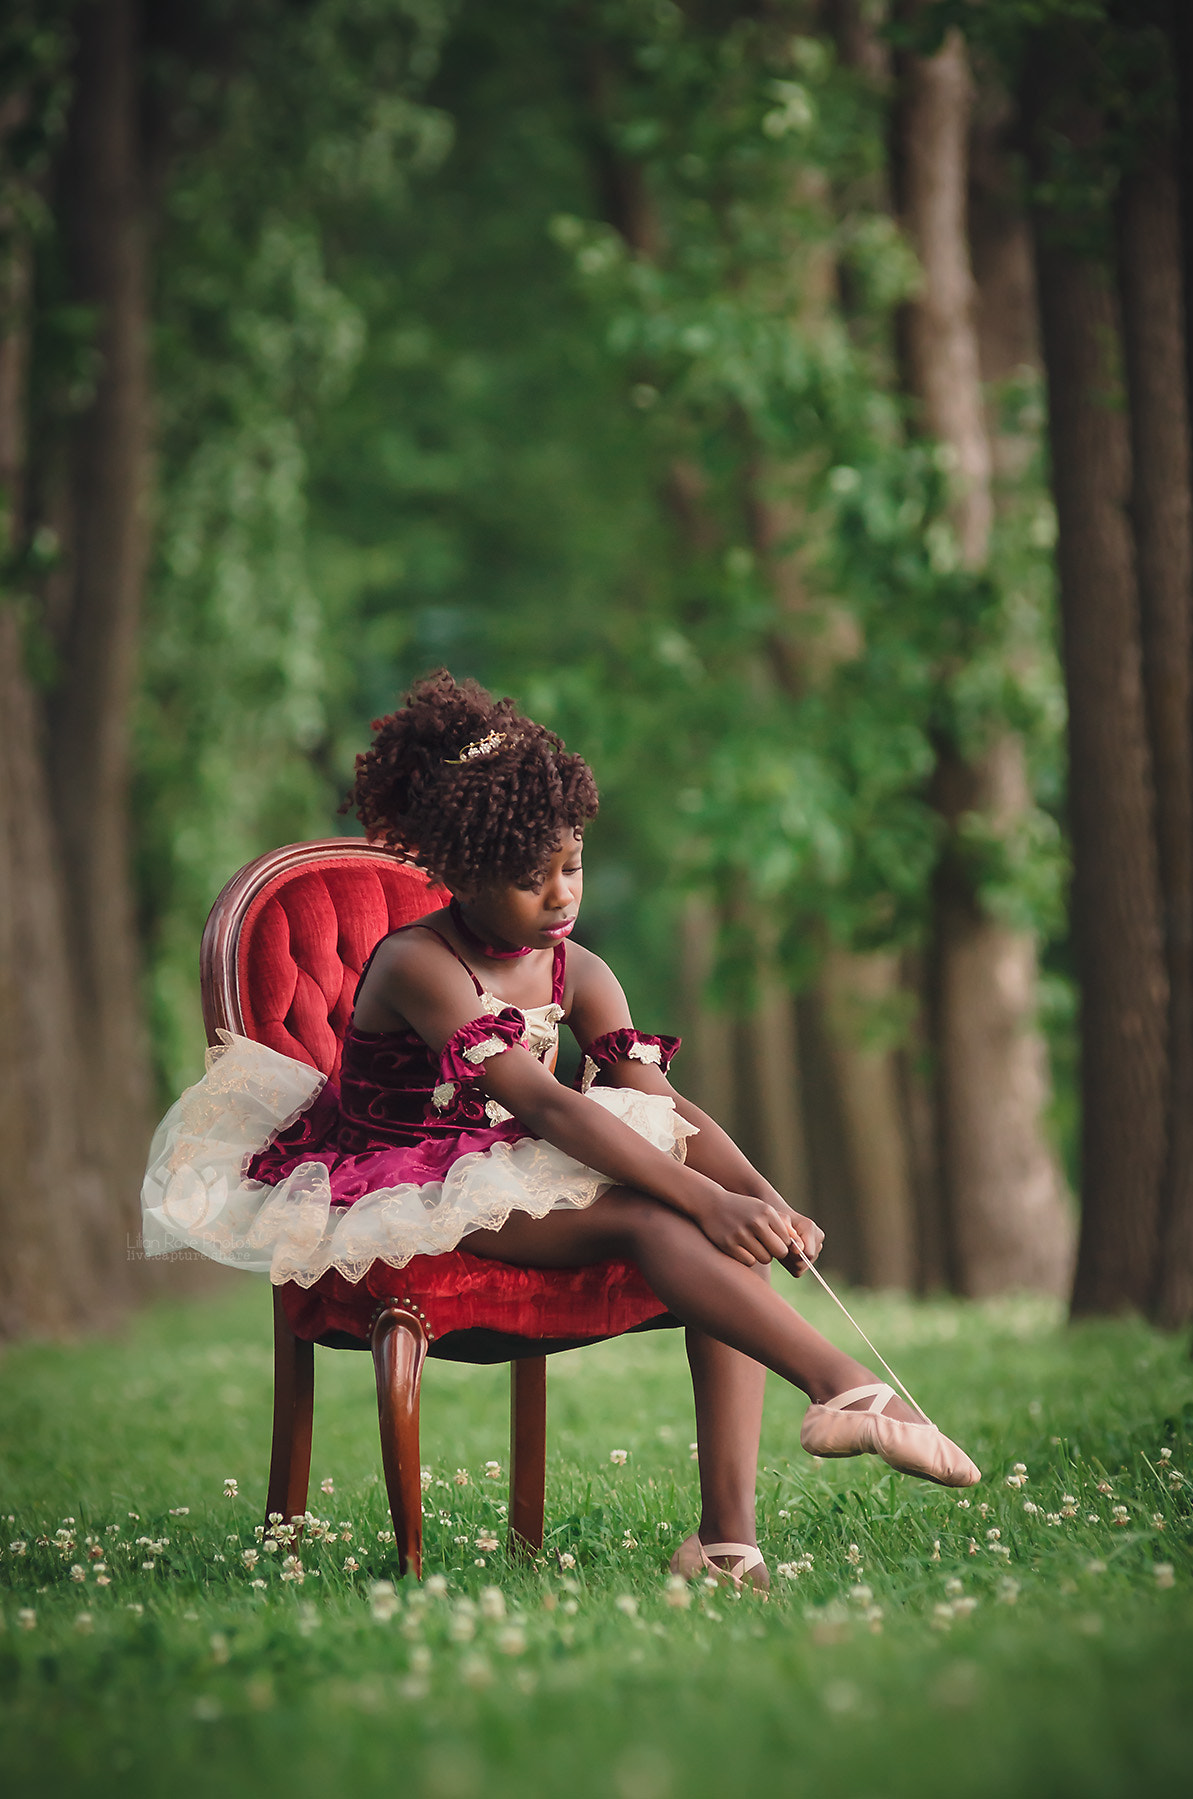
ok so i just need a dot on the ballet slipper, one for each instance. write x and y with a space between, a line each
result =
694 1557
919 1448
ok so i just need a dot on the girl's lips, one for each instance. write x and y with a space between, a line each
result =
560 930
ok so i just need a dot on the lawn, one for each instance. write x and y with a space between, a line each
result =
1034 1636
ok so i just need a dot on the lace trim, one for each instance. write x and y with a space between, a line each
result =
196 1196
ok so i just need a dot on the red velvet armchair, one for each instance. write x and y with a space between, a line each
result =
281 956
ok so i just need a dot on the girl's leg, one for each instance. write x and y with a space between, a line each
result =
728 1388
709 1291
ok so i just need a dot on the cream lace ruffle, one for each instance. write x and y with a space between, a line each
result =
195 1195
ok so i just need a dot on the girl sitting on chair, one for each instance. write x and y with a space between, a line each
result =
450 1130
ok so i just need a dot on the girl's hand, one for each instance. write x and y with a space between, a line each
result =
807 1239
749 1229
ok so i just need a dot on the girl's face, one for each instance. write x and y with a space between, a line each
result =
533 914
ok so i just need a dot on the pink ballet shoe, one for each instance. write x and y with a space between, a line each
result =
693 1556
830 1430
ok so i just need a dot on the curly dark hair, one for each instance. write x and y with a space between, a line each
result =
499 816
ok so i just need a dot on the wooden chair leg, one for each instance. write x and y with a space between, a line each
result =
528 1454
399 1343
293 1411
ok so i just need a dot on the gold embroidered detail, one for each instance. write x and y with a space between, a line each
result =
488 1046
645 1052
443 1095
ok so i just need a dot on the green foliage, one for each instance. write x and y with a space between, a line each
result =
1045 1649
555 345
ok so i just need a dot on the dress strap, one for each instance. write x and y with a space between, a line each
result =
421 924
416 924
559 974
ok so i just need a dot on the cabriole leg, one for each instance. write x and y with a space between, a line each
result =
399 1344
293 1410
528 1454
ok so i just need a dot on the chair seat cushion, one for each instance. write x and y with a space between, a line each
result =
459 1292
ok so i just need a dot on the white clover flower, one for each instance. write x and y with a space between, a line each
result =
853 1555
27 1618
383 1601
231 1489
462 1477
103 1580
1119 1515
1095 1567
256 1583
78 1573
619 1457
992 1536
436 1587
1014 1480
20 1547
148 1567
459 1542
486 1542
1104 1486
964 1504
511 1640
1165 1456
492 1603
425 1478
492 1470
693 1452
327 1486
935 1556
953 1587
567 1560
1030 1507
1165 1574
677 1593
179 1511
863 1595
963 1606
250 1557
629 1541
1019 1468
351 1565
1157 1521
84 1622
270 1546
626 1602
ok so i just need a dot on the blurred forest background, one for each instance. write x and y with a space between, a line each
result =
784 401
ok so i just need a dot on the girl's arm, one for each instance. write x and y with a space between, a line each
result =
420 983
599 1006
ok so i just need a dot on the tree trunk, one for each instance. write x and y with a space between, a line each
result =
103 230
50 1212
706 1074
857 989
1115 892
1150 285
770 1090
1008 1225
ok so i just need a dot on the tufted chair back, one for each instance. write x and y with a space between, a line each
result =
288 937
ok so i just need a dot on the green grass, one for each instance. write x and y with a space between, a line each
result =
919 1654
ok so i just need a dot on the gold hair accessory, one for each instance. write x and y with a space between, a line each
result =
484 746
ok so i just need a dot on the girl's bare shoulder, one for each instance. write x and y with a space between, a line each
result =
409 965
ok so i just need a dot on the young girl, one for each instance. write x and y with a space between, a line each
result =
450 1128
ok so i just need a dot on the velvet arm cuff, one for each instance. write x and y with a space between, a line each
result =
611 1047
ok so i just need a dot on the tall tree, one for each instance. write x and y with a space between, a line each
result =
1115 891
1006 1217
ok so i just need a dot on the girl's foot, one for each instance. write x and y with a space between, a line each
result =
871 1420
739 1566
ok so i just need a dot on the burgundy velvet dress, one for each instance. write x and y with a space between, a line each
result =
266 1165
